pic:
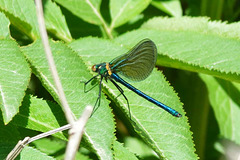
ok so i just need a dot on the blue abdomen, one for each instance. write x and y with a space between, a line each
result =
140 93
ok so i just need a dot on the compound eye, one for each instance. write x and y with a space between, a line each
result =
94 68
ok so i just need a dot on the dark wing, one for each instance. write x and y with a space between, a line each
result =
138 63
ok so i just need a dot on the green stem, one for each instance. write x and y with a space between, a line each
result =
104 24
218 12
204 7
107 30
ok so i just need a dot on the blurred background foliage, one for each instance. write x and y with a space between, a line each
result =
209 143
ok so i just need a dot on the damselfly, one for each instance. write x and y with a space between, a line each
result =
135 65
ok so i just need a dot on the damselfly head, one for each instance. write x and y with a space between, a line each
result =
94 68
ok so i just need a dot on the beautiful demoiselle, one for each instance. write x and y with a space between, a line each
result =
135 65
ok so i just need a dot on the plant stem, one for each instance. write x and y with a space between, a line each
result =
104 24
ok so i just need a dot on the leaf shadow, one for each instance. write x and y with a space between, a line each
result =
230 90
21 119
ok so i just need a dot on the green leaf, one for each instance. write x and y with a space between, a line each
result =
22 15
192 51
171 7
27 153
49 146
122 153
14 79
55 148
139 148
169 136
79 27
31 153
32 109
4 26
224 98
124 10
8 138
55 21
196 24
88 10
72 70
194 96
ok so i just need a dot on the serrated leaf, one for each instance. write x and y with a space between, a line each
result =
193 51
4 26
124 10
22 15
88 10
55 148
198 24
39 115
15 75
122 153
195 24
171 7
71 71
31 153
224 98
49 146
169 136
194 96
55 21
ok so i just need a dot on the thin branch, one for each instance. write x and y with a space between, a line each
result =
78 127
46 134
75 136
68 113
22 143
17 149
76 133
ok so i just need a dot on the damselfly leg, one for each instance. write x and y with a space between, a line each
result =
85 84
98 101
122 93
